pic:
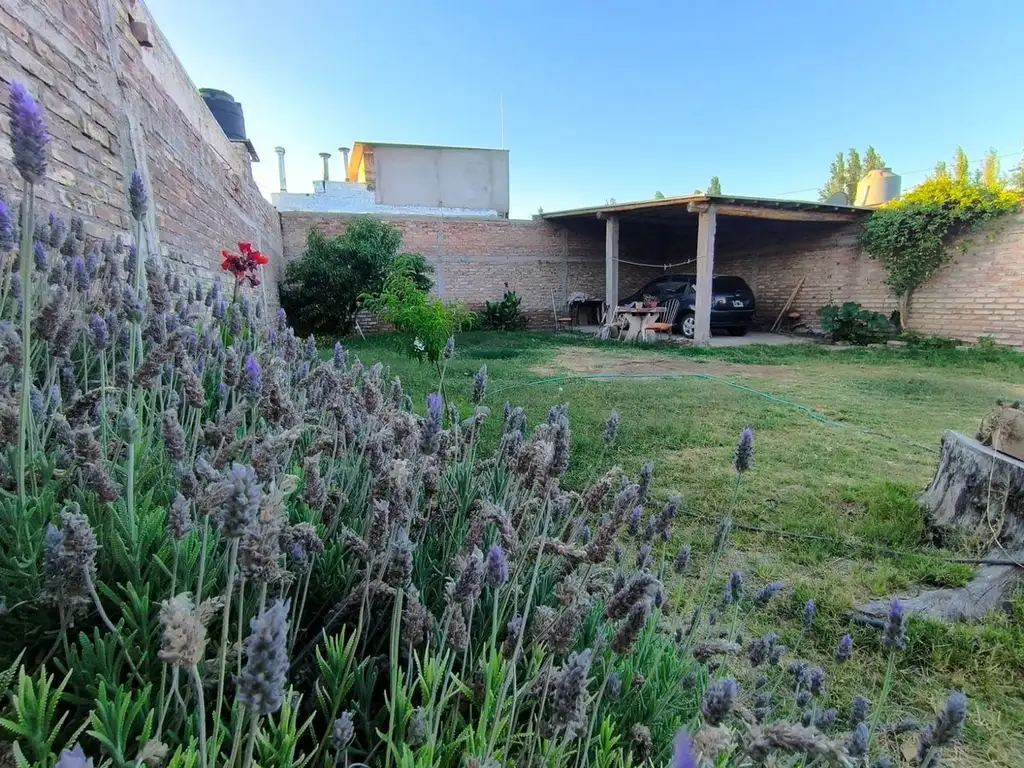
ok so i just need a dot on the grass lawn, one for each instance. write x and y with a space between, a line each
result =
845 439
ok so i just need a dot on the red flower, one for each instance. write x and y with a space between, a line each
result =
245 266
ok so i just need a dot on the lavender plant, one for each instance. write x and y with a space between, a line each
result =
179 470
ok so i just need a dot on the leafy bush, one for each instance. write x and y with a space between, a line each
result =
505 315
853 324
426 324
322 288
910 235
295 574
921 341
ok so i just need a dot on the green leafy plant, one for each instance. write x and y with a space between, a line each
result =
910 236
424 324
505 315
323 287
852 323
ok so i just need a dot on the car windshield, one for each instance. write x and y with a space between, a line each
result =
729 284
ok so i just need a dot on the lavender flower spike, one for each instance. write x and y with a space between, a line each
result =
138 199
73 758
809 611
480 385
261 684
683 757
497 567
29 136
433 424
845 650
744 459
895 635
7 234
611 428
252 379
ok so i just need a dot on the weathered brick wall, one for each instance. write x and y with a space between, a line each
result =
981 293
474 259
112 106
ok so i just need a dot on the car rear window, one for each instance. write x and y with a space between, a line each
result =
729 284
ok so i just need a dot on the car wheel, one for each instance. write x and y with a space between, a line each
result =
738 330
687 325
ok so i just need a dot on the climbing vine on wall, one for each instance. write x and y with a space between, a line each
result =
910 236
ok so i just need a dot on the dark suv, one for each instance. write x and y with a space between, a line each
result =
732 302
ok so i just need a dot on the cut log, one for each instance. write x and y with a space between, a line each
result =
979 492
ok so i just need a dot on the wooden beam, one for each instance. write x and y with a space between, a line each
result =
705 270
782 214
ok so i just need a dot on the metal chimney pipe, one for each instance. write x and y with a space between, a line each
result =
280 168
327 170
344 159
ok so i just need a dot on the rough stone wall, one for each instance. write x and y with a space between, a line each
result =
112 106
474 259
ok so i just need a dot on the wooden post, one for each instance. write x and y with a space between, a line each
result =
705 271
611 266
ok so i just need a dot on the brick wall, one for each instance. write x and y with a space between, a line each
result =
474 259
112 106
981 293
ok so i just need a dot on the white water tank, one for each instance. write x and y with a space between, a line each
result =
878 187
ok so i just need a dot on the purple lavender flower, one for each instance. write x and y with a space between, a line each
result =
619 554
342 732
614 686
682 756
745 450
7 234
340 357
99 334
80 273
252 379
611 428
282 320
58 228
682 559
809 610
859 711
718 700
944 731
845 649
643 557
895 635
73 758
497 567
857 744
480 385
735 589
261 684
816 682
137 197
633 526
449 348
586 534
39 256
28 135
803 699
432 425
768 591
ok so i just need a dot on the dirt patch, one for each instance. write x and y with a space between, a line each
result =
589 361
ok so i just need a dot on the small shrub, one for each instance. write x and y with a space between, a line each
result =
853 323
323 287
426 323
505 315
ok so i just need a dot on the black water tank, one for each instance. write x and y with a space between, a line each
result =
227 112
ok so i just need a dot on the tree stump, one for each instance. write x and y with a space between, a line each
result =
977 491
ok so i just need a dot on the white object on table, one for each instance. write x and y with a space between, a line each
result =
637 319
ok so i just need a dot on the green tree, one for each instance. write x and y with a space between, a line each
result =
990 170
847 170
715 187
941 170
322 288
1017 176
961 167
659 195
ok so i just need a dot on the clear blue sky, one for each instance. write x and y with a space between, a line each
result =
617 99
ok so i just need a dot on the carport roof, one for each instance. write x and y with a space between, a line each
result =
676 208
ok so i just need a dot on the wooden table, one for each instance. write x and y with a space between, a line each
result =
637 319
